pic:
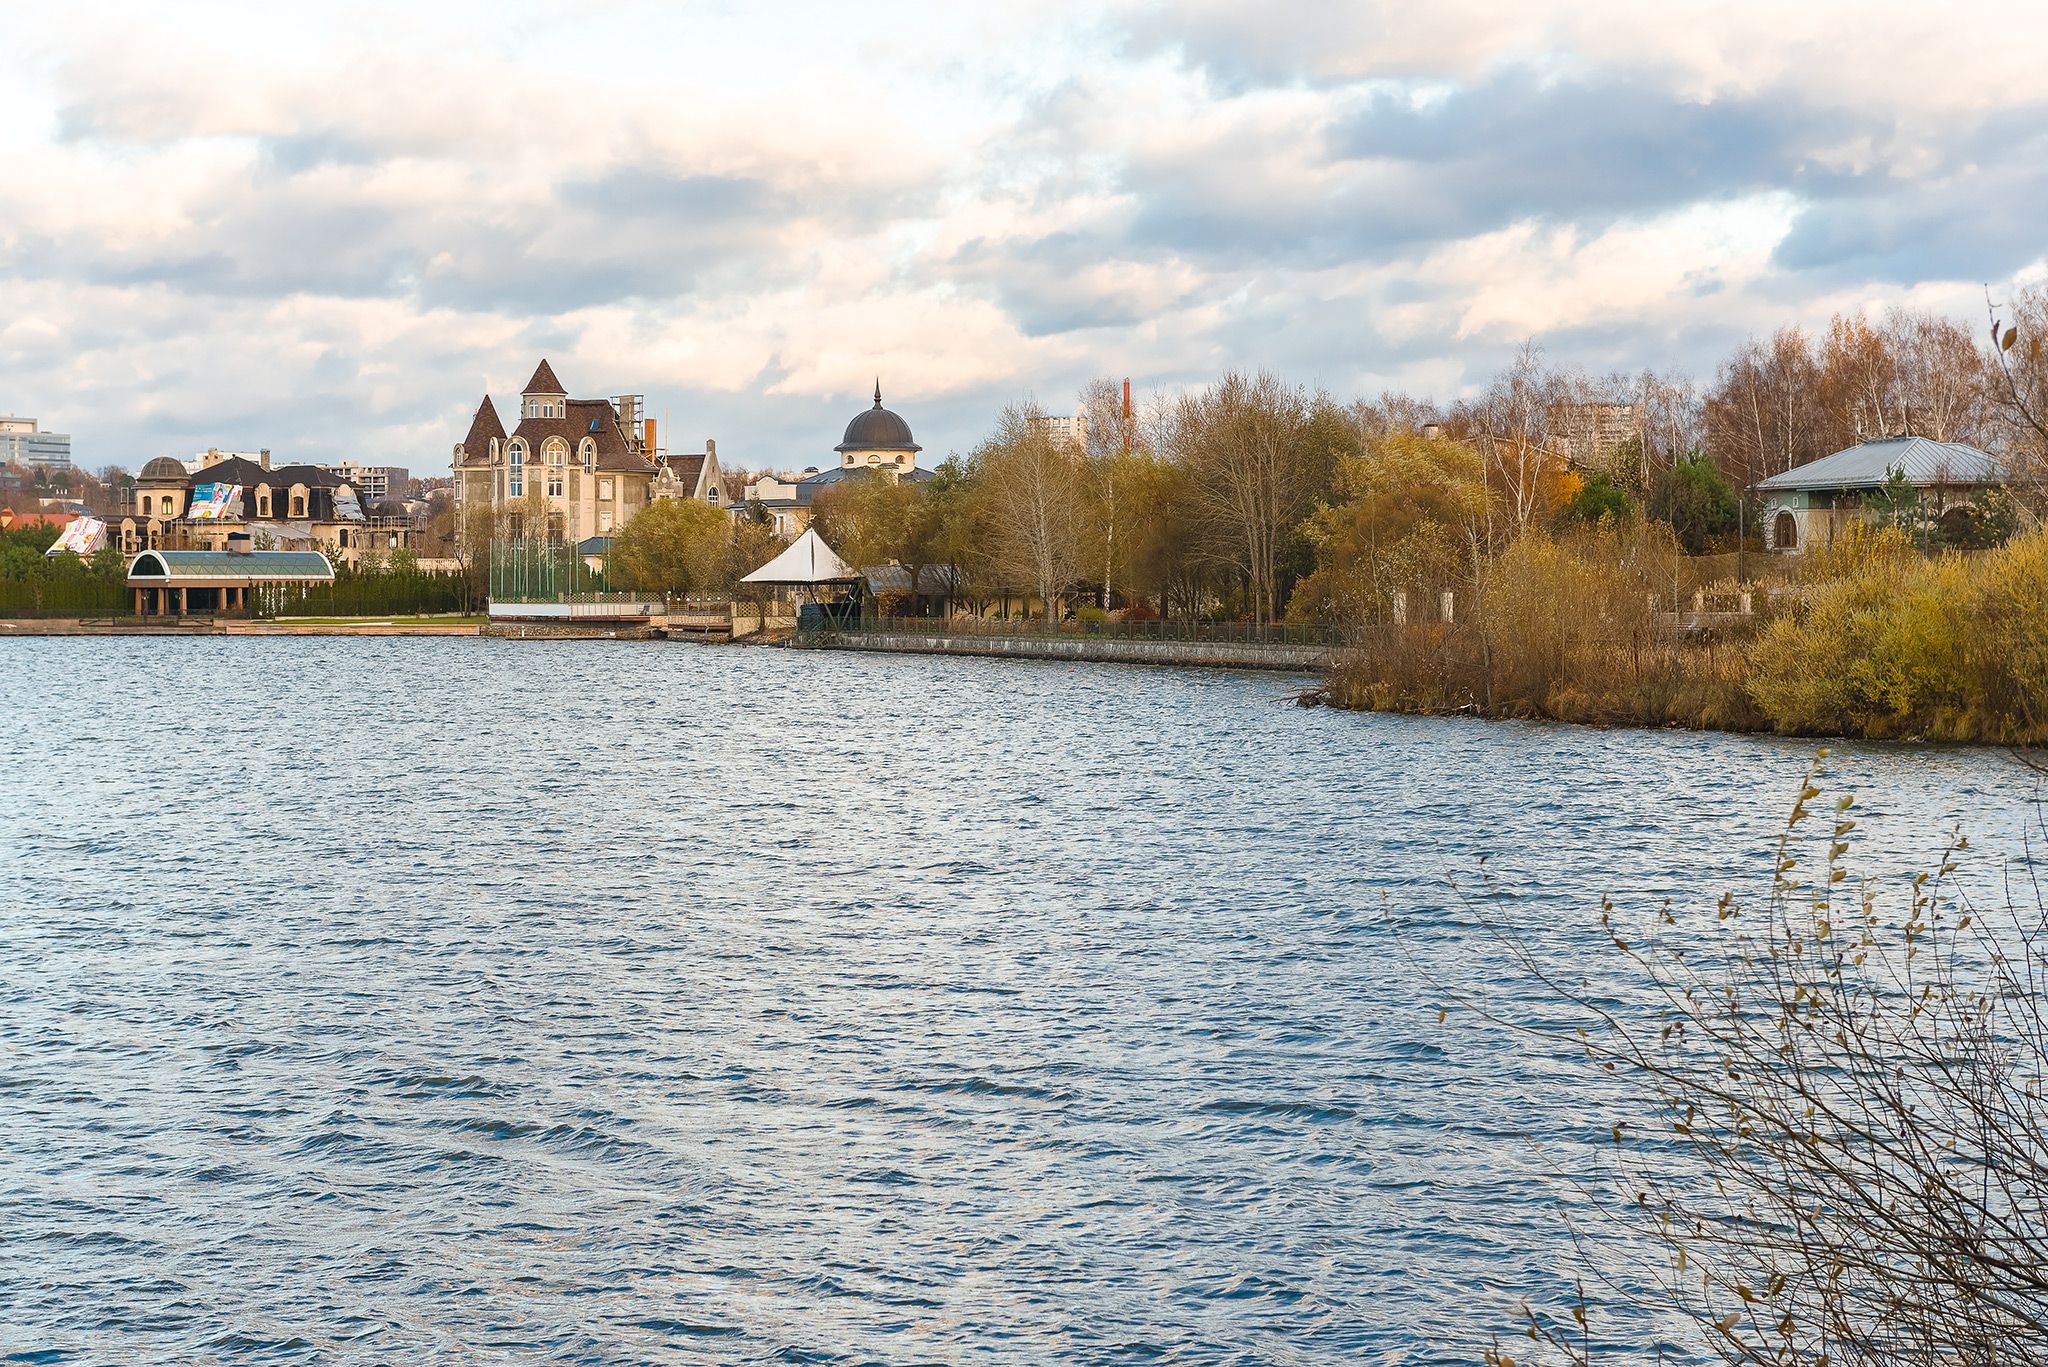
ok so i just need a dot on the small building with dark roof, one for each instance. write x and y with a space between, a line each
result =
1812 504
877 442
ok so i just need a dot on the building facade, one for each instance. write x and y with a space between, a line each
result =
285 508
22 442
587 465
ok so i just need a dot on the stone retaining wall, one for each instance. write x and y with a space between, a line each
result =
1202 654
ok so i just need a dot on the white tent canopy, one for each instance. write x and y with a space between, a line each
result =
808 561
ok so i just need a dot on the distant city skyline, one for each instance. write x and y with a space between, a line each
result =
329 230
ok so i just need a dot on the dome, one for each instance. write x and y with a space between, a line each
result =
878 430
164 467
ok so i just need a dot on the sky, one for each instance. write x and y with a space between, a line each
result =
329 229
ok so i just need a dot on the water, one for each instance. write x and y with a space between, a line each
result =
469 1001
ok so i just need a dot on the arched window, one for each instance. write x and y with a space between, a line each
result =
1785 533
556 451
298 505
589 454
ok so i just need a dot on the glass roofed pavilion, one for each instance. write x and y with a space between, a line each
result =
167 582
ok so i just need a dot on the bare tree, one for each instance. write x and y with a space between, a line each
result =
2019 394
1033 502
1250 472
1846 1159
1940 375
1514 431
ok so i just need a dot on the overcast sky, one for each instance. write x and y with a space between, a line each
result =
328 229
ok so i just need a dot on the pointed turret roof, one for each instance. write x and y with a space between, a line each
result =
544 382
482 428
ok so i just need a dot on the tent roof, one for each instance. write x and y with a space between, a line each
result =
808 561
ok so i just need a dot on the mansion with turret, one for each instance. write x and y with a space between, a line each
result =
591 463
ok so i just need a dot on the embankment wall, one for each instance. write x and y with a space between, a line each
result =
1196 654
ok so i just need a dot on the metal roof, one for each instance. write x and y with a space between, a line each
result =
1867 466
172 566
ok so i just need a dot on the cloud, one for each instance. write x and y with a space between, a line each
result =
326 230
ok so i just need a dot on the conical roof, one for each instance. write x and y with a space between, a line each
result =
544 382
482 428
808 561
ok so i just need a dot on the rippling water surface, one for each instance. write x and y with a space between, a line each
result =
472 1001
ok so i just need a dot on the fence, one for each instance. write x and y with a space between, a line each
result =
1245 633
543 572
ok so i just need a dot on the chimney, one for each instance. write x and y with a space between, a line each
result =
263 457
710 449
238 543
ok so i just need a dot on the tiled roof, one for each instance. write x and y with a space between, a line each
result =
544 382
476 447
593 418
687 469
1867 466
248 474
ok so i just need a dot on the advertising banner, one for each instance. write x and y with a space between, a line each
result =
213 502
82 537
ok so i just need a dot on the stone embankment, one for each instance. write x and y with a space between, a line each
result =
208 626
1290 658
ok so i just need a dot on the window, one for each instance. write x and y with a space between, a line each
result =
516 477
604 488
604 521
145 505
711 494
555 453
555 485
298 505
589 454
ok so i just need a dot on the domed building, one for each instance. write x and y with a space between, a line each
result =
877 441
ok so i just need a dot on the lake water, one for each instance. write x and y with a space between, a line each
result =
471 1001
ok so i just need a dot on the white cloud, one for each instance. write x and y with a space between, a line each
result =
324 229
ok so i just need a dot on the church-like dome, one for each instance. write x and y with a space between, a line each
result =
164 467
878 430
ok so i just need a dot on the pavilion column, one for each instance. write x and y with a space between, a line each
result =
181 602
138 602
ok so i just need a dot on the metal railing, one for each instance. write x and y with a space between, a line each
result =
1238 633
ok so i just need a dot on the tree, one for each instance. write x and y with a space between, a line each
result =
754 543
1596 499
1843 1160
673 546
1409 511
1694 498
1257 452
1034 503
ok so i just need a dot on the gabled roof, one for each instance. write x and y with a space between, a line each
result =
482 428
544 382
688 470
592 418
1869 465
808 561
